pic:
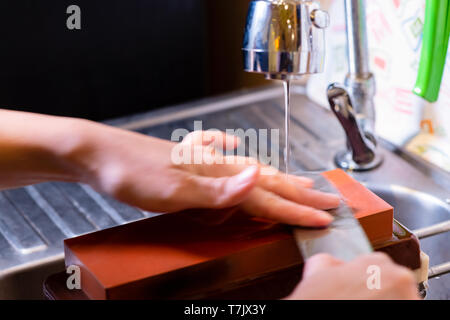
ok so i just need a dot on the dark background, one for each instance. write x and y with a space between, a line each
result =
129 56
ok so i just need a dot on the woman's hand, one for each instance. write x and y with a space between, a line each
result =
326 278
146 172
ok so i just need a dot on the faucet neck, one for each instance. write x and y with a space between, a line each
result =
357 47
359 82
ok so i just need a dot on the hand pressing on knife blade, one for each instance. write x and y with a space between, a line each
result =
327 278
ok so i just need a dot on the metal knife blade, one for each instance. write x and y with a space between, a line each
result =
344 239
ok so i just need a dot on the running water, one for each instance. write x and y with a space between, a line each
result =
287 124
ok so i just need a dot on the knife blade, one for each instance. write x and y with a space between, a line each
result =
344 238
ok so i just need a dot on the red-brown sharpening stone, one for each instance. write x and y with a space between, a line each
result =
373 213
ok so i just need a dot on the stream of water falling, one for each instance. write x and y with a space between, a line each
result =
287 125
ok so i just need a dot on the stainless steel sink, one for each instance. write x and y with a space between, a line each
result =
413 208
429 218
35 220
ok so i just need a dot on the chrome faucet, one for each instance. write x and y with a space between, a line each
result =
284 39
353 103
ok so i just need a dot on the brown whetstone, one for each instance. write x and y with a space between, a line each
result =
373 213
402 247
203 253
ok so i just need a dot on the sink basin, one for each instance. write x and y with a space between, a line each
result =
415 210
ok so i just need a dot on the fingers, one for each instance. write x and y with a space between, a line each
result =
325 277
265 204
217 193
376 258
200 147
277 179
398 281
316 199
302 181
233 164
293 189
319 263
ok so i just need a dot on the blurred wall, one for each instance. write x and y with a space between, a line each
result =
129 56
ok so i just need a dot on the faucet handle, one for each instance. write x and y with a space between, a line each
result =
320 18
361 145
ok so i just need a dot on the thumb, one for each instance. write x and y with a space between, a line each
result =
218 193
215 138
318 263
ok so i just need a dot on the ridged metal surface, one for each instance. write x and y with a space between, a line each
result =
35 219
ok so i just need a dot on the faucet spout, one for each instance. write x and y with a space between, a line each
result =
284 39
